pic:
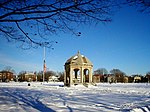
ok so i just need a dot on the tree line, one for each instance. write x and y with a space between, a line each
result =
115 71
34 76
117 75
102 72
38 76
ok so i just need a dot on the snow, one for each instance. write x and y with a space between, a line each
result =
53 97
75 57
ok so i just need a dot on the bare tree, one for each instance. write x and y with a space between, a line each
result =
10 69
148 76
33 22
101 71
141 5
116 71
148 73
119 75
61 76
48 74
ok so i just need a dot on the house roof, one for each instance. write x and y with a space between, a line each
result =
29 74
4 71
78 59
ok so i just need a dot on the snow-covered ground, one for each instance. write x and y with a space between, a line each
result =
51 97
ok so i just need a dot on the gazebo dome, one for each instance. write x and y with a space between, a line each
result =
78 59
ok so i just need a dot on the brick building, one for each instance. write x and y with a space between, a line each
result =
6 76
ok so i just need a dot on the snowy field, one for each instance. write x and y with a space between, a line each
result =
51 97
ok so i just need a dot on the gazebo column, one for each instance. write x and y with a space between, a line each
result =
81 75
65 77
90 75
71 82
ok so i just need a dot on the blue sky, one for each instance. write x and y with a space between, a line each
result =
122 44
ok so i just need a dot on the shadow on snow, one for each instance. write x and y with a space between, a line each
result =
25 99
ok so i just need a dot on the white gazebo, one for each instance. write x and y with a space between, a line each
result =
78 70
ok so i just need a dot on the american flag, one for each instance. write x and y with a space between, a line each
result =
44 67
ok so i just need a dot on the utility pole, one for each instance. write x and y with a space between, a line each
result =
44 52
44 64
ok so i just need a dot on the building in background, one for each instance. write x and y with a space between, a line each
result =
53 79
29 77
6 76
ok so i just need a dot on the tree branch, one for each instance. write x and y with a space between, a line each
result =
42 18
32 41
25 19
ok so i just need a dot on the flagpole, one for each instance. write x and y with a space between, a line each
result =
43 63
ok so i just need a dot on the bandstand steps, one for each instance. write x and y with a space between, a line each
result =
85 84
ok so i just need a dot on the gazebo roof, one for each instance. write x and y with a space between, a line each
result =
78 59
